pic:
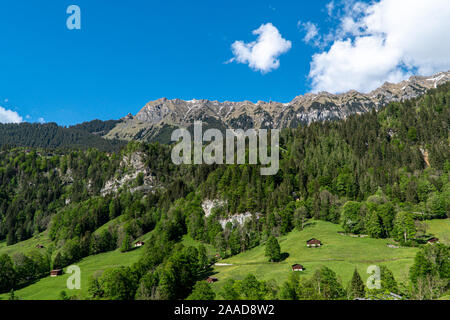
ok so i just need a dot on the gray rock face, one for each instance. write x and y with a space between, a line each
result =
158 118
130 167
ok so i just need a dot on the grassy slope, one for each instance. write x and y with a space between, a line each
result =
27 245
49 288
188 241
117 220
340 253
440 228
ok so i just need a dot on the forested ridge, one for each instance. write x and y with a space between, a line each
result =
96 126
379 173
52 136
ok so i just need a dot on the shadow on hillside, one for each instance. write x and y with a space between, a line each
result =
309 224
284 256
208 272
28 283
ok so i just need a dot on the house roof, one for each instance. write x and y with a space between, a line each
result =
56 271
297 266
212 279
313 241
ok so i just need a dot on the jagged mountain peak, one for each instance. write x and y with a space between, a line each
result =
157 118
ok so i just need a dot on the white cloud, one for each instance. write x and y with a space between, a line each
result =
9 116
41 120
330 8
263 54
387 40
311 31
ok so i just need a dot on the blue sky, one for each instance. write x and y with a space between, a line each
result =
130 52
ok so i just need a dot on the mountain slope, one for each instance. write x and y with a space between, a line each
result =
50 135
380 173
158 118
340 252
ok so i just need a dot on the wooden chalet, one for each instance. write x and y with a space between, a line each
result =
139 244
433 240
297 267
56 272
313 243
211 280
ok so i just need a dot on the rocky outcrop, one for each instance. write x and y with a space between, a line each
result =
130 168
209 205
239 219
236 219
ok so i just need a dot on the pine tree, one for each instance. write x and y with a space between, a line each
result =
374 225
126 243
388 282
58 261
202 257
356 288
273 249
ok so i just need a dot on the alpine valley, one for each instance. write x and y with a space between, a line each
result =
364 184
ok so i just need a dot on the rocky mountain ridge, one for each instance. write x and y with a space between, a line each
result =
158 118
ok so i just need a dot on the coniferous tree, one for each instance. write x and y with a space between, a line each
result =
202 291
58 262
273 249
404 227
356 288
374 225
7 273
126 243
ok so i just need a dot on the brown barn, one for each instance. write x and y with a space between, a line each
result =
211 280
56 272
433 240
313 243
139 244
39 246
297 267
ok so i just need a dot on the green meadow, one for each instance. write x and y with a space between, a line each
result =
439 228
341 253
49 288
27 245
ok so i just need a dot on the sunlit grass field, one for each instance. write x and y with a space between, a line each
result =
27 245
339 252
50 288
439 228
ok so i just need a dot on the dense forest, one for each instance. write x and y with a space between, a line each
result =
378 173
52 136
96 126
